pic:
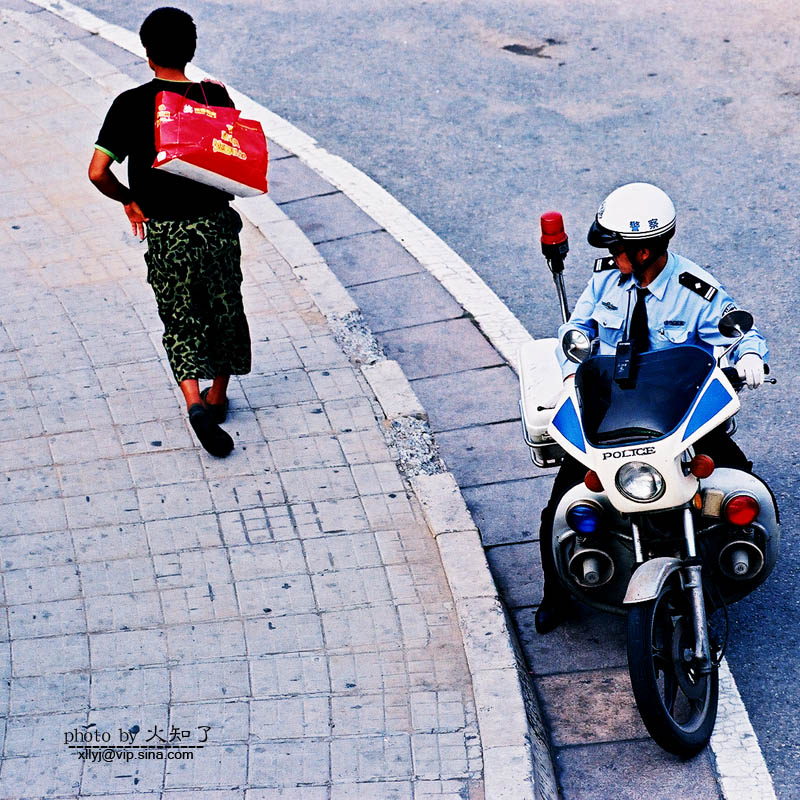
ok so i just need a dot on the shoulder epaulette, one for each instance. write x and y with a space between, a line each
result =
697 285
602 264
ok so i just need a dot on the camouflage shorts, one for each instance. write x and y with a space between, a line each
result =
194 269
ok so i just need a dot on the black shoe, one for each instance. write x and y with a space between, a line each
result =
551 613
211 436
219 411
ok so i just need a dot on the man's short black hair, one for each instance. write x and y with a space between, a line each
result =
169 37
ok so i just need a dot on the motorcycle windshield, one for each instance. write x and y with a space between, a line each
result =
651 406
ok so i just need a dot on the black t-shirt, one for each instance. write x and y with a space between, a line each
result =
129 132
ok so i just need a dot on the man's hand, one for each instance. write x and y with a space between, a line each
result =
751 370
105 180
136 218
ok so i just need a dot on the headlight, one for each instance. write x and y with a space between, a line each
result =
640 482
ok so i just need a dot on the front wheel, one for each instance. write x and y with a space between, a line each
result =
677 703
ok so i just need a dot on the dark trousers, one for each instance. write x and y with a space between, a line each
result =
717 444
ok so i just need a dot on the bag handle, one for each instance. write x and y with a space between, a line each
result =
202 89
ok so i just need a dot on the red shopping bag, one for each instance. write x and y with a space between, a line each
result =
210 144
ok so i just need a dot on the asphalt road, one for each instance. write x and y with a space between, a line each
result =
480 116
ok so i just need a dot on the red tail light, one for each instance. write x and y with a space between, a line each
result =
741 509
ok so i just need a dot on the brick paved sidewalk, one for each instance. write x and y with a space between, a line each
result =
286 604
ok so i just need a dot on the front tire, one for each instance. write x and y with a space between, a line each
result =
677 703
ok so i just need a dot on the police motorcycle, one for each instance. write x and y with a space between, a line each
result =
655 531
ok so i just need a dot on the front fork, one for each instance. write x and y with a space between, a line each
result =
693 582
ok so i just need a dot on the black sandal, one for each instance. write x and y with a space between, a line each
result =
211 436
219 411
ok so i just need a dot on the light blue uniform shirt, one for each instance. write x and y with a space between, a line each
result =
676 314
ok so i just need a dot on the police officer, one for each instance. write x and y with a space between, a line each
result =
652 298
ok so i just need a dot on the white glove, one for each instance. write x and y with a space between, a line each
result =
751 369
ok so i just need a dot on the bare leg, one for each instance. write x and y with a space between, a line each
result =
219 388
191 392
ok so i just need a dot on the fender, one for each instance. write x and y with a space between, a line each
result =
646 582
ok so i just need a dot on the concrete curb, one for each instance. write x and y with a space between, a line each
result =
511 766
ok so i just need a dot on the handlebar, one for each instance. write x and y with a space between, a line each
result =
738 383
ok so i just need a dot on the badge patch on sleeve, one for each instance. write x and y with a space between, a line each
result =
697 285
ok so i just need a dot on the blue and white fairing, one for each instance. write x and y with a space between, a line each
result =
677 396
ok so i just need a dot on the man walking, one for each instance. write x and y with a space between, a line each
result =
193 254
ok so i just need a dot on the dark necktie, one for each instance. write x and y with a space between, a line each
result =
640 336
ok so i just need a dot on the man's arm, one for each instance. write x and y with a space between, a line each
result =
106 181
580 319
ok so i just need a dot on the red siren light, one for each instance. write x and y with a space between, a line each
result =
553 228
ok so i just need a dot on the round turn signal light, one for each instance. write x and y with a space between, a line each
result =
701 466
592 481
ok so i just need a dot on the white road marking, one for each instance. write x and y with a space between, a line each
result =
741 769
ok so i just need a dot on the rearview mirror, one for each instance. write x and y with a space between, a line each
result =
735 323
576 346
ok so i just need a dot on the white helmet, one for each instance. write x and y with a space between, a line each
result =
633 213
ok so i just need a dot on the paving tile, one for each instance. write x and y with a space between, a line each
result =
352 588
206 641
216 681
129 649
147 686
474 397
509 511
42 584
186 533
439 348
116 541
286 674
368 257
282 388
517 572
290 718
487 454
323 483
40 775
274 764
362 714
596 706
310 451
99 509
366 758
36 550
290 179
212 767
339 383
404 301
175 500
43 694
39 619
275 597
632 770
588 640
284 422
62 654
331 217
123 611
118 576
300 632
268 559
